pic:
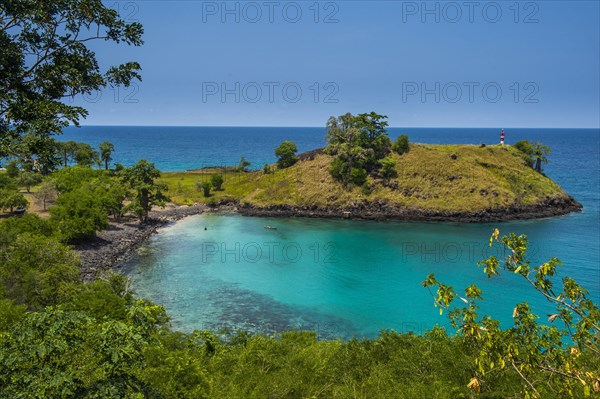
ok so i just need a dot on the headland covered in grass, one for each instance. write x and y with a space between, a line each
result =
431 182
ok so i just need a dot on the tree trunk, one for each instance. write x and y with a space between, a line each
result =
538 165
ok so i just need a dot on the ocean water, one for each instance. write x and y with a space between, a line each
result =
177 148
342 278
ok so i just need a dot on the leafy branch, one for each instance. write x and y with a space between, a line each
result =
546 358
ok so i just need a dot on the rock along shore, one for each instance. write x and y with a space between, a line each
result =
113 245
380 210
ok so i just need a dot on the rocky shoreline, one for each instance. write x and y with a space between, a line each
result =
382 211
113 245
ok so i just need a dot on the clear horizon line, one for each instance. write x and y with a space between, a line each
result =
323 127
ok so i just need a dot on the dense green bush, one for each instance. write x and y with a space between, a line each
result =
206 187
388 168
58 353
68 179
11 228
357 143
217 181
78 214
401 145
105 298
286 154
37 271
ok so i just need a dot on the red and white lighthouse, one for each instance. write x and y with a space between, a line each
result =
502 137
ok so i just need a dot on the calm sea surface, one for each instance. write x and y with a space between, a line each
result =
341 278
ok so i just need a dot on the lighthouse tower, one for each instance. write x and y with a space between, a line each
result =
502 137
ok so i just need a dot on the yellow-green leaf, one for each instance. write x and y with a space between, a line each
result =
518 269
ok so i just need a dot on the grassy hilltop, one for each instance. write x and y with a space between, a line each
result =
430 178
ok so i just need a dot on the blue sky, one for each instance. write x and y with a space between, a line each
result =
434 64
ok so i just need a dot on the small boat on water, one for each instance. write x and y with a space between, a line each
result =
270 227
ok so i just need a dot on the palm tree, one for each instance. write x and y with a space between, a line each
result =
68 149
539 152
106 150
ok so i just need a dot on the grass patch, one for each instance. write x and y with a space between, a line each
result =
451 178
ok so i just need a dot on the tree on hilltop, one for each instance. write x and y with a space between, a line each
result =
540 153
536 153
286 154
358 144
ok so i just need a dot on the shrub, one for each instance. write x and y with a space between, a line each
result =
217 181
11 228
37 270
77 215
243 164
524 146
388 167
206 186
339 169
401 146
358 176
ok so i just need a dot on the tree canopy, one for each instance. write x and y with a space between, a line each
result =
358 143
286 154
148 193
106 150
536 153
46 56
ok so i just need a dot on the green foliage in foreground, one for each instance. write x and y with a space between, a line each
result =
62 338
561 359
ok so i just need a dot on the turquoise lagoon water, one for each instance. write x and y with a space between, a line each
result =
341 278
